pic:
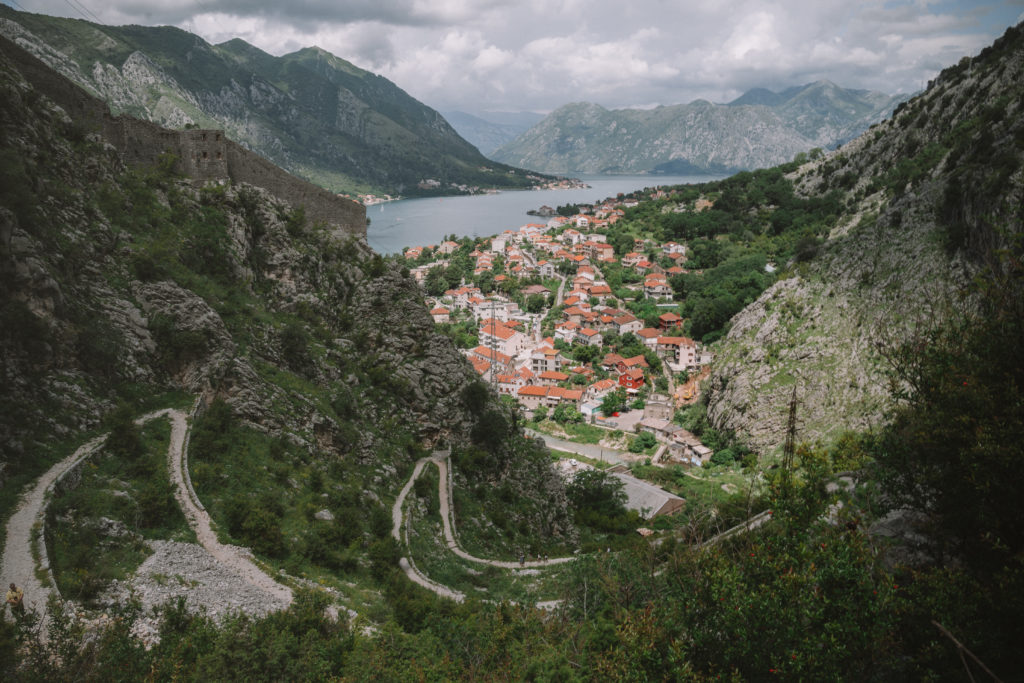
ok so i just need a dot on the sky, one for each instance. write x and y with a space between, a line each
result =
484 56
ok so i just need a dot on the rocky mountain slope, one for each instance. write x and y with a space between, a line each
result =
309 112
759 129
931 195
136 286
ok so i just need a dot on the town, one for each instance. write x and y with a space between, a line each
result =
576 322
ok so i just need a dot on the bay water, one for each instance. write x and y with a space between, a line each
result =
419 222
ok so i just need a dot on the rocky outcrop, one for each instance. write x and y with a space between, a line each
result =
932 193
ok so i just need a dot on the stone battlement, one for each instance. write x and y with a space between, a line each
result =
203 155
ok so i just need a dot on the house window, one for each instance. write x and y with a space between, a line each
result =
205 155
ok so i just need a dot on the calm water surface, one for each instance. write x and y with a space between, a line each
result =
412 222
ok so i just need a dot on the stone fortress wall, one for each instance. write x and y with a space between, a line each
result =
203 155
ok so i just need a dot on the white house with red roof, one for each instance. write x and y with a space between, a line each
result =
680 352
448 247
589 336
598 390
649 336
495 335
656 287
627 322
440 314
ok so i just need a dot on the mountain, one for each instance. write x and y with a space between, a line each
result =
488 134
309 112
930 198
757 130
127 287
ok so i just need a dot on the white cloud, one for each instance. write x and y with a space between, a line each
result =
539 54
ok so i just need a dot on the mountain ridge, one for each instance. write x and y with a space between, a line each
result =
315 115
758 129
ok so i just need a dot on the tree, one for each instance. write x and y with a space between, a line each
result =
642 442
535 303
435 282
613 402
598 500
955 450
565 412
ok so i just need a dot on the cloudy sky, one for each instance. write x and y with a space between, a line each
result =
535 55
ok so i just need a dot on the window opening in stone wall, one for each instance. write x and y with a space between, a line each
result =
205 155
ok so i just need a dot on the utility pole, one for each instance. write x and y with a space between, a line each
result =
789 448
494 349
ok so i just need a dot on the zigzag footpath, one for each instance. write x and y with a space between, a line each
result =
398 519
23 543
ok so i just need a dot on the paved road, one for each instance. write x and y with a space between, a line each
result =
561 291
592 451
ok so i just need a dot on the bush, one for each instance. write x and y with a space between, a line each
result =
642 442
726 456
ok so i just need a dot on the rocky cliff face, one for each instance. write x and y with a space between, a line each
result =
309 112
755 131
931 194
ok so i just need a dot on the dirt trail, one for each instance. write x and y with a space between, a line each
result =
398 519
408 567
19 565
447 518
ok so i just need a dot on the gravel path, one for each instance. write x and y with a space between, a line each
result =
18 565
224 578
398 519
447 520
408 567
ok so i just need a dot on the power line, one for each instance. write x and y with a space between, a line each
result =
17 5
82 9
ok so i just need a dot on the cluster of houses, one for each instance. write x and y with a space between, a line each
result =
513 355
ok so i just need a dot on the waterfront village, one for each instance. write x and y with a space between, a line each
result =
577 323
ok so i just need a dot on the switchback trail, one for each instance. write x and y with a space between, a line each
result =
19 564
399 519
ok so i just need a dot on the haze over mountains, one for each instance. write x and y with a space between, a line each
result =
312 113
490 130
759 129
